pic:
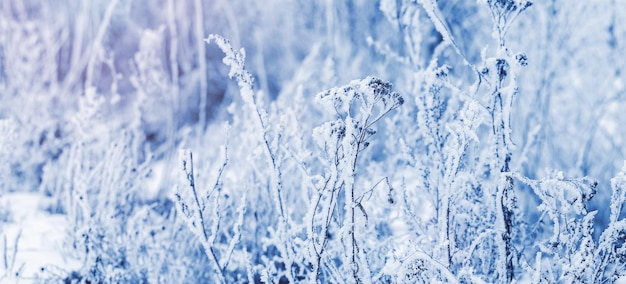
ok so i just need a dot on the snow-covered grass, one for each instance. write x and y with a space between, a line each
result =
354 142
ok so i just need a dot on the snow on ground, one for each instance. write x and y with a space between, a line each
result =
37 234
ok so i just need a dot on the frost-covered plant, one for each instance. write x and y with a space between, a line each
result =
115 233
257 244
460 155
569 252
357 106
111 235
570 246
202 212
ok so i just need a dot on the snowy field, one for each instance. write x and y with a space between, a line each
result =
359 141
